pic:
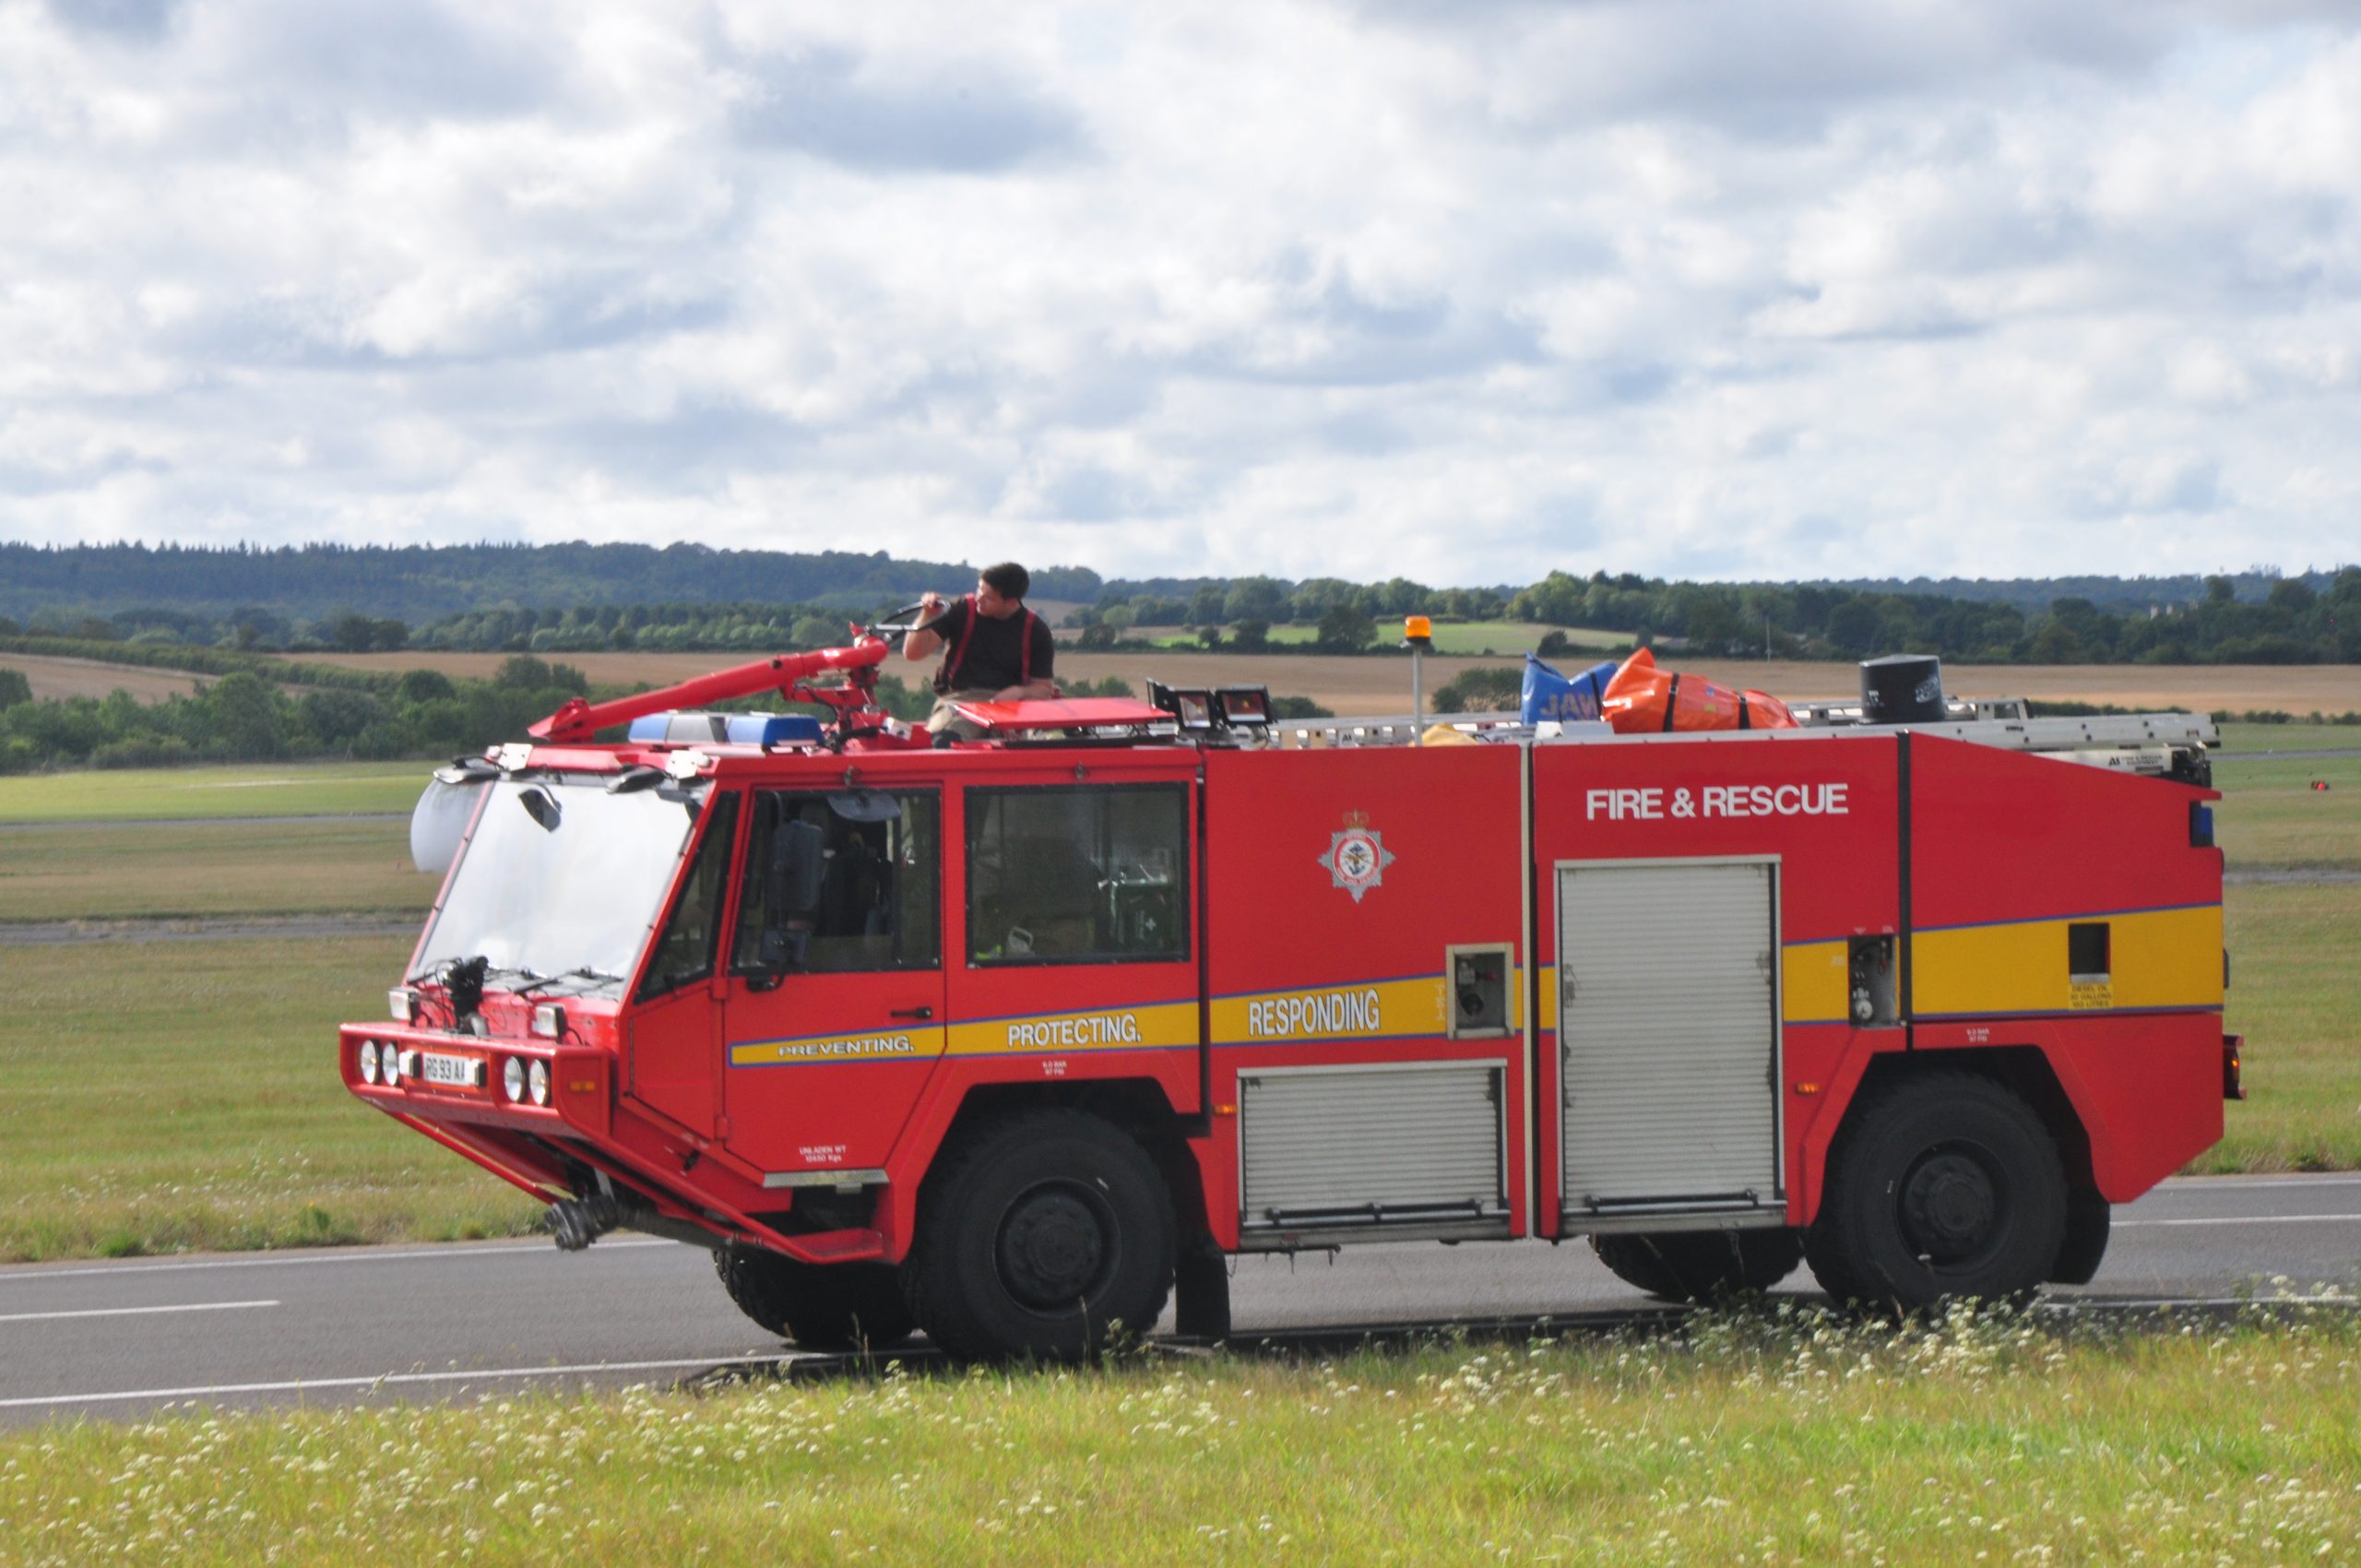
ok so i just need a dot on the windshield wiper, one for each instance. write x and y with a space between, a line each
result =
584 973
437 970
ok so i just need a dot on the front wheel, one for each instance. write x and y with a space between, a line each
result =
1701 1265
840 1306
1942 1187
1040 1236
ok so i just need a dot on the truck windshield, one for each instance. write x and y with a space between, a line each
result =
559 879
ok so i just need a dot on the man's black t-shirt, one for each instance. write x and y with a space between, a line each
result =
995 653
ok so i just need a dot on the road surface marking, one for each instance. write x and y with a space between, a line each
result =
458 1252
135 1311
2248 1219
391 1380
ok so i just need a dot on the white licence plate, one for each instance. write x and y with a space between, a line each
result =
464 1072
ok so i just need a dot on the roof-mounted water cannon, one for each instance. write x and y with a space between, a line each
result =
854 702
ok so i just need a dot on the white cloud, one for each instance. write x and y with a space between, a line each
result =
1749 288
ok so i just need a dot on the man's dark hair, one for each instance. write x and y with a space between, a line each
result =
1008 579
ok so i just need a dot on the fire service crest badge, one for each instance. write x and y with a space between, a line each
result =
1357 856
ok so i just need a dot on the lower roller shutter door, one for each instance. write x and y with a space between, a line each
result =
1669 1036
1370 1145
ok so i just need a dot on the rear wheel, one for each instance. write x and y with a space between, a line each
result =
1039 1237
839 1306
1701 1265
1941 1187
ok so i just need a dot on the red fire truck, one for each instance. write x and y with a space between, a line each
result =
1015 1040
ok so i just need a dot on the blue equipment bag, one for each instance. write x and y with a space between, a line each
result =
1548 694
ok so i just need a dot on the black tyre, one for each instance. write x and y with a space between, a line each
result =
1039 1237
1701 1265
1941 1187
2088 1222
842 1306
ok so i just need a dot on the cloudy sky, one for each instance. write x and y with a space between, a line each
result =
1771 288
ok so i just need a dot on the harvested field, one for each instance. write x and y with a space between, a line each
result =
1378 685
92 678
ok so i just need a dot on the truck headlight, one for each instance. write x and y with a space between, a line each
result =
549 1020
512 1079
368 1061
390 1063
539 1079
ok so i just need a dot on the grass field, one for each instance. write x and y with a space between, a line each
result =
2243 740
95 678
231 1039
2296 994
182 1095
1764 1440
2271 818
195 869
168 793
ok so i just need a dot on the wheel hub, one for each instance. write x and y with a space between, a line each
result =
1948 1207
1052 1247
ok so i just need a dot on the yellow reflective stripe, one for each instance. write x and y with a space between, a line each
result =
1815 982
2157 958
1162 1024
902 1045
1348 1010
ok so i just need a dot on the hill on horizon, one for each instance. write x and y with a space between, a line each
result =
418 584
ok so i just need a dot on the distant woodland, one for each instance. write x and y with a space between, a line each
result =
577 597
219 613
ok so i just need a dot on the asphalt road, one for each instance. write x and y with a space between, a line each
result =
115 1340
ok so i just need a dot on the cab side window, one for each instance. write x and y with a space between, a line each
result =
878 887
684 951
1078 875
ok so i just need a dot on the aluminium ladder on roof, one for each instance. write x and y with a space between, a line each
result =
2141 743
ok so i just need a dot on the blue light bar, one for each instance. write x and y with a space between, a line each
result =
726 728
774 729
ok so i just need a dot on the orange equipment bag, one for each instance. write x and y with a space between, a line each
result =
1642 699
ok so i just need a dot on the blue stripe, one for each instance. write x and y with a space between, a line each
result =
1353 1040
2067 1012
965 1056
2084 915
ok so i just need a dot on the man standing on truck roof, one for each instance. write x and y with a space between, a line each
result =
1000 650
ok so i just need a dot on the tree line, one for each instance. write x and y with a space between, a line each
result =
55 586
247 715
2314 619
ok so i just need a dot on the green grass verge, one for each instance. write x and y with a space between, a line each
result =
277 789
2271 817
180 1095
136 870
1785 1439
169 1096
2241 739
183 1095
2295 951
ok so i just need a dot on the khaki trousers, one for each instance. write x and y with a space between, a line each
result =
944 721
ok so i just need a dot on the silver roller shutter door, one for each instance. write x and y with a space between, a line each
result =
1668 1034
1370 1143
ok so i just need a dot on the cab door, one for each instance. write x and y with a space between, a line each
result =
673 1023
832 1000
